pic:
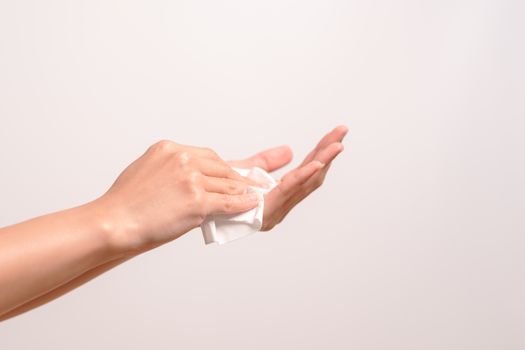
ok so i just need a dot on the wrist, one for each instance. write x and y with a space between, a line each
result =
117 229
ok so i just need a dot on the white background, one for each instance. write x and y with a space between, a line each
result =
416 240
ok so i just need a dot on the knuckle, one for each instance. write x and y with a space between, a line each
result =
192 183
165 146
236 188
196 198
194 178
228 204
182 157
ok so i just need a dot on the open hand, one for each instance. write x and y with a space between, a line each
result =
298 183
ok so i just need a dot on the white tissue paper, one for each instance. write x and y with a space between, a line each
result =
226 228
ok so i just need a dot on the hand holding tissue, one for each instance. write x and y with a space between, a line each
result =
226 228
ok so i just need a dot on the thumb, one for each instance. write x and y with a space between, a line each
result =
270 159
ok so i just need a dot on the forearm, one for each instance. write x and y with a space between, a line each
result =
63 289
47 252
72 284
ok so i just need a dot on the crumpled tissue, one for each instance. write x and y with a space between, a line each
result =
226 228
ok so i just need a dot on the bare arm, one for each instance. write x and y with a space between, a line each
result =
45 252
166 192
296 185
63 289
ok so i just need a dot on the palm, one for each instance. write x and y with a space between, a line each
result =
299 182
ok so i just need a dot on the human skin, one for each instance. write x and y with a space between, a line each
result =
165 193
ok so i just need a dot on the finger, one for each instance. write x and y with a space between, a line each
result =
336 135
277 200
327 154
224 186
294 179
269 160
300 177
217 203
215 168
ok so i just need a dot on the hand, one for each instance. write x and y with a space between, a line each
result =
168 191
299 182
